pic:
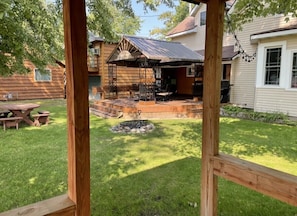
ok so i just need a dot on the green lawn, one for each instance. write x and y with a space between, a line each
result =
142 175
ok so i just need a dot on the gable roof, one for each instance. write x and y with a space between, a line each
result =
230 3
94 38
133 50
186 26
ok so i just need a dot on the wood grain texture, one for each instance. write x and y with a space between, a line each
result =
274 183
211 103
75 34
60 205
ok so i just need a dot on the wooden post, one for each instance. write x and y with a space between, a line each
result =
211 104
75 34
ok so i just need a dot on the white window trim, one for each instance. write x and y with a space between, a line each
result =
190 72
200 14
261 56
290 64
50 71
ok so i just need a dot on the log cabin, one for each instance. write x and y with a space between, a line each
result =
77 200
34 85
105 80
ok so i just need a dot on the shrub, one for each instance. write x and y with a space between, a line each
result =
239 112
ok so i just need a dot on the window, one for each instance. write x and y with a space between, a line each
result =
45 75
273 66
203 18
190 72
294 71
226 68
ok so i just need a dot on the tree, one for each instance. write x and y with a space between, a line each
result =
33 30
28 30
246 10
112 18
171 19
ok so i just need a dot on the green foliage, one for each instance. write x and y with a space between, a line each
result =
171 19
111 19
275 117
29 30
153 4
33 30
246 10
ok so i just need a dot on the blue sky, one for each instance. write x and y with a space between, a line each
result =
150 19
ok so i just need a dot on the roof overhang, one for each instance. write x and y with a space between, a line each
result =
256 37
194 30
228 53
195 10
133 51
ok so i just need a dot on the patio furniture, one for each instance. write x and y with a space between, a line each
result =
10 121
41 118
21 110
164 95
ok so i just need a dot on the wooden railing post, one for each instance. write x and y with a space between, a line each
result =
211 104
75 33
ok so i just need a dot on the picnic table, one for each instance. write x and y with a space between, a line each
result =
21 110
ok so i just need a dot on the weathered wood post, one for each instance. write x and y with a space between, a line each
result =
75 34
211 104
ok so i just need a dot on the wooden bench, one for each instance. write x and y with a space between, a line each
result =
11 121
41 118
4 114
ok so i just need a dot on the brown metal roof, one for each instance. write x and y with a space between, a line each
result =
133 50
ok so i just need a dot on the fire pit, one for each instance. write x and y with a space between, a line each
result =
133 126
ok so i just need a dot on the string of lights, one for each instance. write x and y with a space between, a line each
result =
244 55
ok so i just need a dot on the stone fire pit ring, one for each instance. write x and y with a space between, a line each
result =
133 127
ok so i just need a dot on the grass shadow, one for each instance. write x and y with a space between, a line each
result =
174 189
249 138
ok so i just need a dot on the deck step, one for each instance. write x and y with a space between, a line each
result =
127 109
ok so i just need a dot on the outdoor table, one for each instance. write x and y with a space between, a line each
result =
164 95
21 110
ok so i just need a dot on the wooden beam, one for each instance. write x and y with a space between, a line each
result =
274 183
211 103
75 34
60 205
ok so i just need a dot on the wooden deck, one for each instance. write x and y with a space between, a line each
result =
130 109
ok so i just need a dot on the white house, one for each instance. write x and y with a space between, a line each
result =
266 82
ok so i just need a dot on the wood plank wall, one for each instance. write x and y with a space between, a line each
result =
25 87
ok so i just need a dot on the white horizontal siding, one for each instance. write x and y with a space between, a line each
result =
243 78
193 41
292 42
243 74
276 100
